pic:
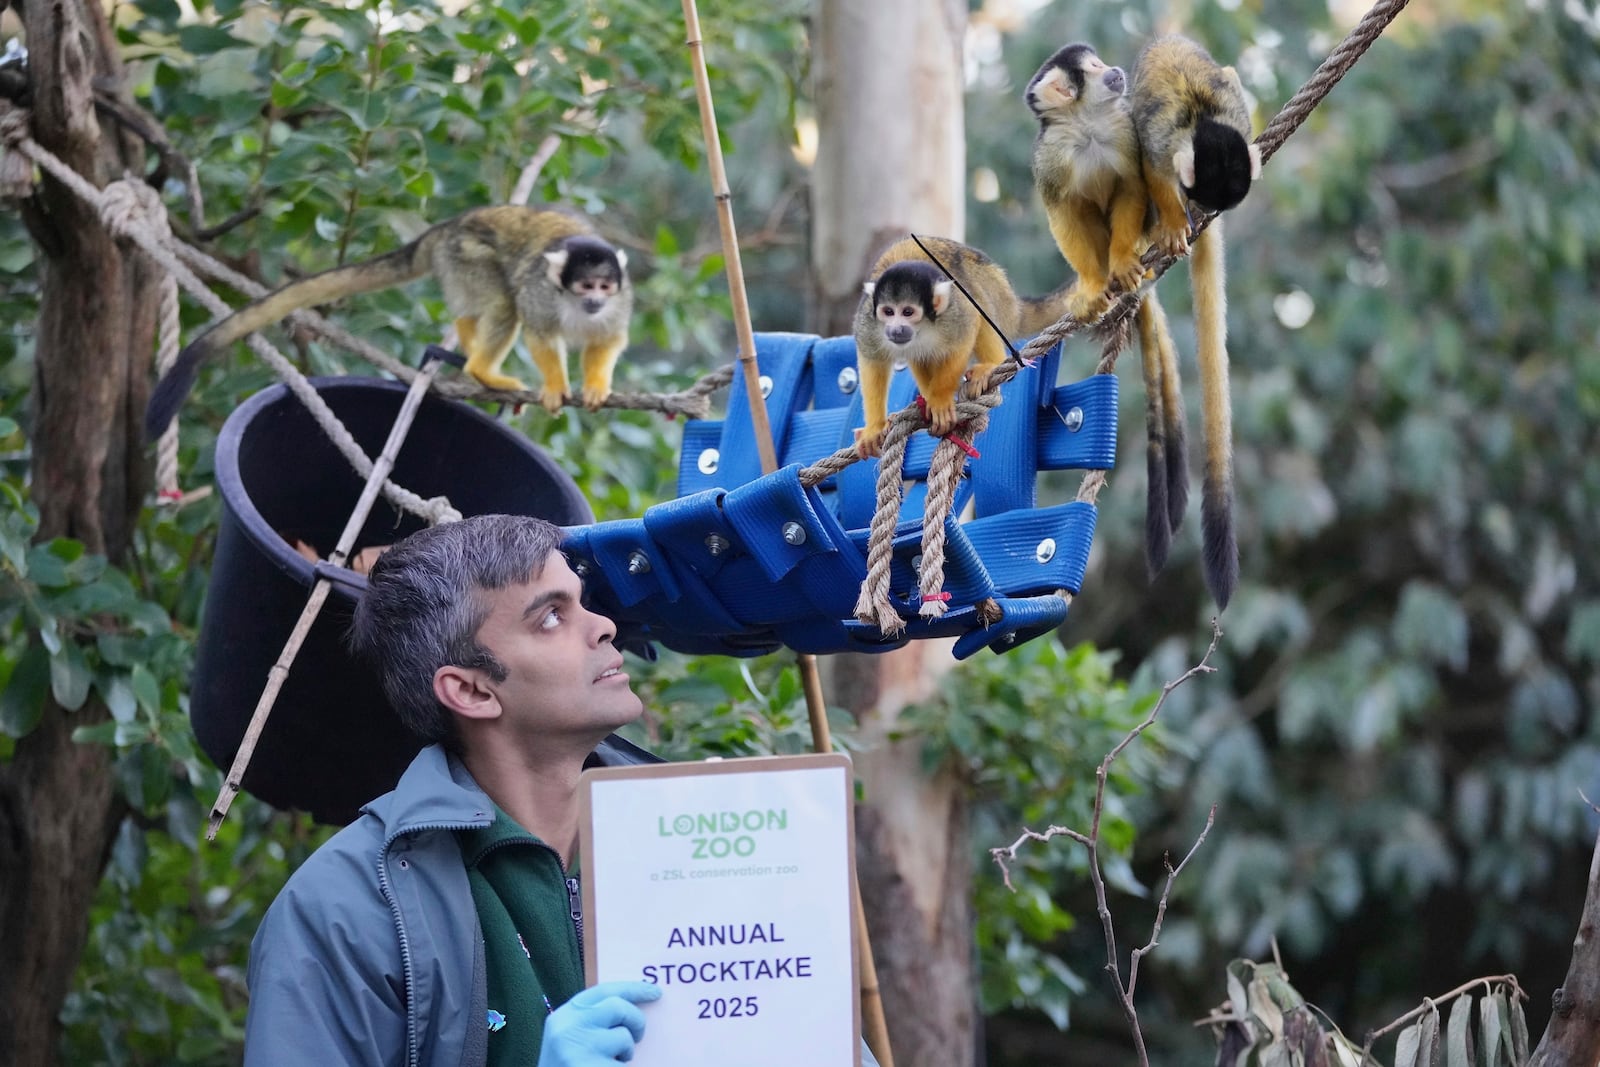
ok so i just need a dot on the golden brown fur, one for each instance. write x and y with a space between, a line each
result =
502 269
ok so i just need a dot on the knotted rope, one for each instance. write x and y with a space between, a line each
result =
123 205
125 216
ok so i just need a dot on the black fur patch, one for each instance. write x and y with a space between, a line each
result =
589 257
1221 166
909 282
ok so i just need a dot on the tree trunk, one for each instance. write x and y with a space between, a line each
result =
891 158
59 807
1573 1037
891 138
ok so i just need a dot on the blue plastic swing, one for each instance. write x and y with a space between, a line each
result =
743 563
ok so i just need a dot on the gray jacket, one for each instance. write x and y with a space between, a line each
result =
371 952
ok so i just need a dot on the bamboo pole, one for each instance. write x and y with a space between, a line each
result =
279 671
873 1022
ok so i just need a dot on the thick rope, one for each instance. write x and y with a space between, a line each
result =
131 225
873 603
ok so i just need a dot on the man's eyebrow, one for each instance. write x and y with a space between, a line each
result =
545 599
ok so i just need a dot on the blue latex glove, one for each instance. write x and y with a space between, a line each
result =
597 1026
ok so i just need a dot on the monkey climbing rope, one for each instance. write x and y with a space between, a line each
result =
944 471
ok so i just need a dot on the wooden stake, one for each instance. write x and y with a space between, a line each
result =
877 1031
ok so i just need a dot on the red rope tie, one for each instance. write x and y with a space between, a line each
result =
943 595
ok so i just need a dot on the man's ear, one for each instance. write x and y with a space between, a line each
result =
462 690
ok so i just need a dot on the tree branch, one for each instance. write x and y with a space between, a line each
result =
1091 841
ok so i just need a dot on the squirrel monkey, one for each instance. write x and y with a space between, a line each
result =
911 310
1086 167
1089 172
1194 131
503 269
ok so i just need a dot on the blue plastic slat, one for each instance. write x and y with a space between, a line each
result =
762 512
1014 550
966 578
1022 620
784 359
702 444
1093 445
1004 476
756 600
829 358
685 528
614 547
815 435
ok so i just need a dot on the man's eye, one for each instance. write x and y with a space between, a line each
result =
551 620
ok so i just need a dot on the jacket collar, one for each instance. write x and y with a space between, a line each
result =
434 791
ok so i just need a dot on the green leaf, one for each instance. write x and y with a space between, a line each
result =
198 39
1519 1030
70 676
22 702
145 689
117 691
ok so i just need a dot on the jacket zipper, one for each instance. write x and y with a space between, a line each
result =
575 904
413 1050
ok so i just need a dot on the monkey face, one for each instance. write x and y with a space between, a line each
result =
589 271
906 298
899 321
1075 74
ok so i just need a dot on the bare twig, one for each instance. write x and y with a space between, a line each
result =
1091 841
530 173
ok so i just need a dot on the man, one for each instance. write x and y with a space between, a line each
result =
442 926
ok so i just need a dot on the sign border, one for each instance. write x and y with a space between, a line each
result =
715 765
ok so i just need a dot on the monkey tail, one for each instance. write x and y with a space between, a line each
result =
402 265
1157 527
1221 550
1176 434
1037 312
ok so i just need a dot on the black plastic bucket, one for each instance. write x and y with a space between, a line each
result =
332 743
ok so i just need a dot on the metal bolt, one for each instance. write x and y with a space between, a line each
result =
716 544
794 533
1009 639
638 562
1074 419
709 459
848 380
1046 550
766 386
916 563
580 568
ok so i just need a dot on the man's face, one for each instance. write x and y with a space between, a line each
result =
562 672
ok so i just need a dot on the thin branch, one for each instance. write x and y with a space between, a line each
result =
1432 1004
530 173
1091 841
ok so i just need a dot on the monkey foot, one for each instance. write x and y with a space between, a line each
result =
1087 305
503 382
1126 277
552 399
1172 242
593 398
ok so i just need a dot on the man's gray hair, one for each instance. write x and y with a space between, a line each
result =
424 604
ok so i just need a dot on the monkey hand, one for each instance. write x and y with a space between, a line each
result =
551 399
1171 240
1087 305
1125 277
942 417
869 441
594 398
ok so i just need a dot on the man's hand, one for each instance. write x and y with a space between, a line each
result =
598 1026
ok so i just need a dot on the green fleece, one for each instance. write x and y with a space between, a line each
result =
530 939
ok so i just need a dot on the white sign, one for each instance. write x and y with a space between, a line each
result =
729 884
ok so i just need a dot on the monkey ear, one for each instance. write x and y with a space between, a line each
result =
1255 161
1183 163
941 296
867 287
622 260
557 261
